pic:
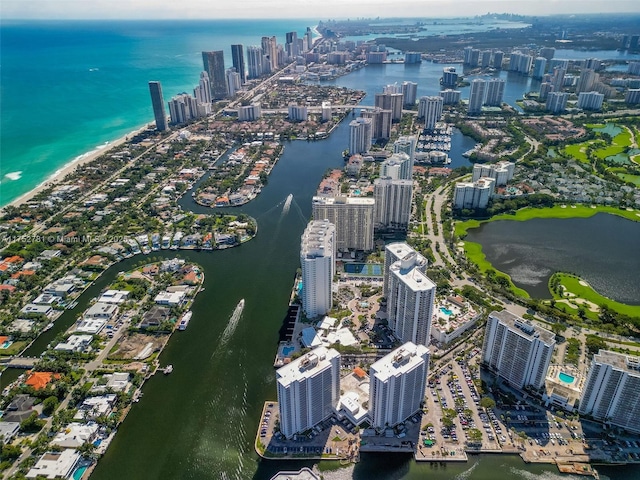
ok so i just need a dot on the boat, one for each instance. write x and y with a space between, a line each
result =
167 370
48 327
184 321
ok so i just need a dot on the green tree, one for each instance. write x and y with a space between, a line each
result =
49 405
558 328
595 343
487 402
31 424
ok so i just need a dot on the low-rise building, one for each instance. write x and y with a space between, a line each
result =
75 343
172 299
103 311
452 317
75 435
55 464
114 296
94 407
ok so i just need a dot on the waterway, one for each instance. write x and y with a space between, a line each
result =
603 249
200 421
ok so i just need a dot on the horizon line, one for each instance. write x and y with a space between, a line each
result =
308 18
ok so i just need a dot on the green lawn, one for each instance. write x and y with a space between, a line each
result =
558 211
14 348
635 179
577 151
583 291
619 144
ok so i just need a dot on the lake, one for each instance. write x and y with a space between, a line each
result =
603 249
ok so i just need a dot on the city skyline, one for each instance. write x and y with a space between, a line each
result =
198 9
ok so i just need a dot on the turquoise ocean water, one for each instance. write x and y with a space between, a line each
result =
70 87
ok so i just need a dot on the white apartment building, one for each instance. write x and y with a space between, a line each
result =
308 390
406 144
590 100
495 92
501 172
516 350
380 122
394 252
473 194
397 383
298 112
326 111
249 113
430 108
409 92
317 259
397 167
476 95
410 300
392 203
612 391
353 218
360 135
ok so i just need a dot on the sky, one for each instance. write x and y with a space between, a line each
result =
320 9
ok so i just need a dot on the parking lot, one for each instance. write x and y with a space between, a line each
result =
329 439
455 420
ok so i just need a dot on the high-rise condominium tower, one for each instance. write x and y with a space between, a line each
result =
157 101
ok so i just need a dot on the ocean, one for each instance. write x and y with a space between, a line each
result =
68 88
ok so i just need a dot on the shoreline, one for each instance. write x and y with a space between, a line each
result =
70 166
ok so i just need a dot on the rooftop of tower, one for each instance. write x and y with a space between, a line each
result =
620 361
524 327
306 366
401 360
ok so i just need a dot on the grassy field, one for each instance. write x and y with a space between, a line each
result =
635 179
558 211
619 144
580 290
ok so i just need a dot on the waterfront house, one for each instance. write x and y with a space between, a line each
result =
172 299
154 317
94 407
55 465
75 343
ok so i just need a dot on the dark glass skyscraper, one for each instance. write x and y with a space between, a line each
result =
214 66
237 55
157 101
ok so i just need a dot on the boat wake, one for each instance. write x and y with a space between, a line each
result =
233 323
467 473
287 204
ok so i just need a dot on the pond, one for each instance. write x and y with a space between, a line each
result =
603 249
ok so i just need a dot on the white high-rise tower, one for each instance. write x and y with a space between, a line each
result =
397 384
410 300
317 259
308 390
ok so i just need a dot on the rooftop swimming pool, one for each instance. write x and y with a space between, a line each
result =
566 378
